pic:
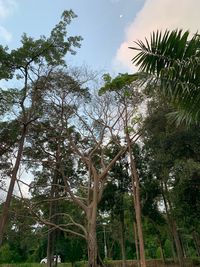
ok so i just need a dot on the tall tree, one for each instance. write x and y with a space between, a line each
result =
166 149
31 64
129 99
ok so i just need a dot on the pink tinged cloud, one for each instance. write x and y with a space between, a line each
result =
157 15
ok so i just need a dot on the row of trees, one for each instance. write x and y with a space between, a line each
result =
94 160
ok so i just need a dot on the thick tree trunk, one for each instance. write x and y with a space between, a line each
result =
5 212
92 245
91 229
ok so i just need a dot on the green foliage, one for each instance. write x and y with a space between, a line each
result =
173 61
52 49
116 84
6 255
168 249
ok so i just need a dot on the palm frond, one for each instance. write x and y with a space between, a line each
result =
174 60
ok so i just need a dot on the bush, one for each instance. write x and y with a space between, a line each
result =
5 254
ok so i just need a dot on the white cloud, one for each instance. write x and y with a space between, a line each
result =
157 14
7 7
4 34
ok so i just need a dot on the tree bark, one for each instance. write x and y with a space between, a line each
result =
5 212
139 222
136 193
92 221
52 233
177 243
50 247
122 239
136 244
92 245
196 242
161 249
172 224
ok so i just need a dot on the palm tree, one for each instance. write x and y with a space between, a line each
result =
172 61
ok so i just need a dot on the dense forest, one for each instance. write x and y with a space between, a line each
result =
99 168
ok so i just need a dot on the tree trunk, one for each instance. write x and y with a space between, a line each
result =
52 233
136 193
172 224
136 244
196 242
161 249
122 239
50 248
5 212
139 225
92 245
177 243
169 224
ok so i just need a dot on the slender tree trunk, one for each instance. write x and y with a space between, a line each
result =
161 249
52 233
5 212
136 192
122 239
177 243
196 242
50 247
139 223
169 223
136 244
172 225
50 243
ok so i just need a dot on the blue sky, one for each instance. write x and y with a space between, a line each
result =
101 23
108 27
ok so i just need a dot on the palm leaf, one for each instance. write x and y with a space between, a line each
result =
174 61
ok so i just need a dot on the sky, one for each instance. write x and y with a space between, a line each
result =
108 27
